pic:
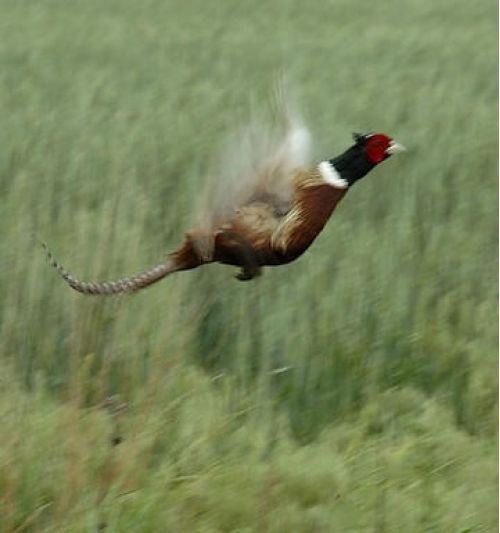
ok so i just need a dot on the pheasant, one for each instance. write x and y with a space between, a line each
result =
272 223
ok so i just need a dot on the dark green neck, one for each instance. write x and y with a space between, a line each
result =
353 164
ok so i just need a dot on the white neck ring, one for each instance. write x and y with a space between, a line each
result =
331 176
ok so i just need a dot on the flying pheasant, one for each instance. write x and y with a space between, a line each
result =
271 219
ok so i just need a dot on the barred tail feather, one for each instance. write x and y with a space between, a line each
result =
129 284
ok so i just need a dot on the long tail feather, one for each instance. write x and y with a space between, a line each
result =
128 284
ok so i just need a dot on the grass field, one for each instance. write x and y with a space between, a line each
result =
353 390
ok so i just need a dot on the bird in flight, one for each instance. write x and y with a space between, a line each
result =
270 217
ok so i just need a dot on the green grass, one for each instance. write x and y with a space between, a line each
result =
386 418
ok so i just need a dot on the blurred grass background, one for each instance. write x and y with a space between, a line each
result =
353 390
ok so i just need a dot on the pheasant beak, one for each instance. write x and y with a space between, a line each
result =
394 148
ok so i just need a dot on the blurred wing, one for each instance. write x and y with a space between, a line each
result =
257 165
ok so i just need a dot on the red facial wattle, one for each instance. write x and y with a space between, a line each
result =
376 147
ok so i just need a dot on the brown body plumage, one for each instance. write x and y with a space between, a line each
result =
273 214
264 232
